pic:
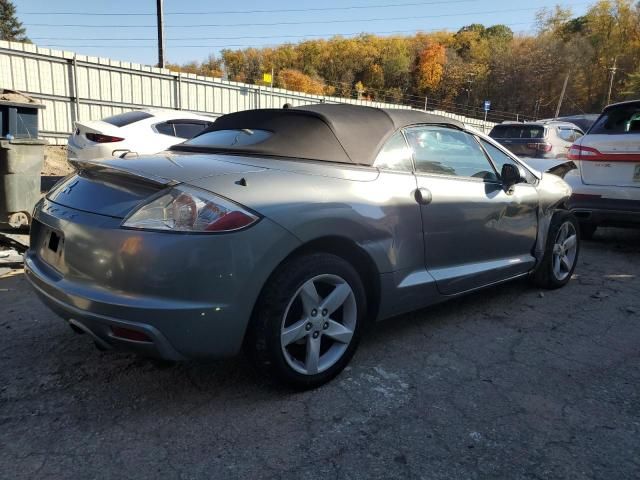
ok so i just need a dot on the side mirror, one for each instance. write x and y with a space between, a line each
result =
511 175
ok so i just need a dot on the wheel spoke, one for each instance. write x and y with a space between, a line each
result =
294 332
309 296
565 261
335 299
556 265
338 332
570 242
562 234
312 358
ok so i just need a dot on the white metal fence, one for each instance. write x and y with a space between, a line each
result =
79 87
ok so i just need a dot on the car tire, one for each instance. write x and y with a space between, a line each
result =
587 230
293 338
561 253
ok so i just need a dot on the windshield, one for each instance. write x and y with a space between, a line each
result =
229 138
619 120
517 131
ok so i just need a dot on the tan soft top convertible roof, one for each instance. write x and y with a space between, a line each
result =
327 132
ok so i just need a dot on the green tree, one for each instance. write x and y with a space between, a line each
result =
10 27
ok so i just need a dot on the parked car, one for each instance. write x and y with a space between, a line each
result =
606 183
140 131
583 121
548 139
286 230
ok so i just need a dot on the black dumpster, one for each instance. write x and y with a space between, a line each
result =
21 158
18 115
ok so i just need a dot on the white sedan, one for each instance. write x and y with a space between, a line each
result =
139 132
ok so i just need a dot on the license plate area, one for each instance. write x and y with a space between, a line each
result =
51 249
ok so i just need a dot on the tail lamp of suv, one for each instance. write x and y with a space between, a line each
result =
541 147
578 152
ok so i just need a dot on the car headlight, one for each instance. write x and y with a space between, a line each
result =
187 209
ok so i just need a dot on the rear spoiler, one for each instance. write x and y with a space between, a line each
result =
95 166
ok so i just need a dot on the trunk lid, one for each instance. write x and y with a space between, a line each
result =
611 160
115 187
79 135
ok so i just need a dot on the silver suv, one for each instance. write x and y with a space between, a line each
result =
546 139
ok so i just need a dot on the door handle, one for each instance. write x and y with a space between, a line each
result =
423 196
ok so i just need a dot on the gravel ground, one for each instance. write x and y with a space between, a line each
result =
508 383
55 161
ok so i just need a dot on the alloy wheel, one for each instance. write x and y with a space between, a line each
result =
565 248
318 324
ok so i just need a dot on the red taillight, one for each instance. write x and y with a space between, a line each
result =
129 334
542 147
231 221
100 138
578 152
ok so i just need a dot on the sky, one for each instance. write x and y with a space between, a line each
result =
194 29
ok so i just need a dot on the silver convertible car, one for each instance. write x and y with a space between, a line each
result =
286 231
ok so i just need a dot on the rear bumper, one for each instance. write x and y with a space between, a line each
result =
96 151
190 296
100 327
603 211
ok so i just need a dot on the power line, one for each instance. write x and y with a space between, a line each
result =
232 12
257 37
313 22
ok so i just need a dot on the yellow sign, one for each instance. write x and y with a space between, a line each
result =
267 77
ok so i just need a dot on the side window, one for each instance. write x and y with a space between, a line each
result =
165 128
395 155
566 134
497 155
188 129
500 159
447 151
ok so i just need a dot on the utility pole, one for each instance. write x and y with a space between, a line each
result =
564 89
425 103
469 83
613 74
160 14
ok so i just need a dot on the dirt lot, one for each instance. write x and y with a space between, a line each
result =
508 383
55 161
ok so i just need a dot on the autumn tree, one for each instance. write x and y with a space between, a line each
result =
458 70
430 67
296 80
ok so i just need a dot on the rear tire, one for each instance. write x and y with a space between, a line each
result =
307 322
561 252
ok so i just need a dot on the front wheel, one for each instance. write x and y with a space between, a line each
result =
307 322
561 252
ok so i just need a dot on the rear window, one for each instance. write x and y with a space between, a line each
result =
124 119
229 138
517 131
189 130
619 120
